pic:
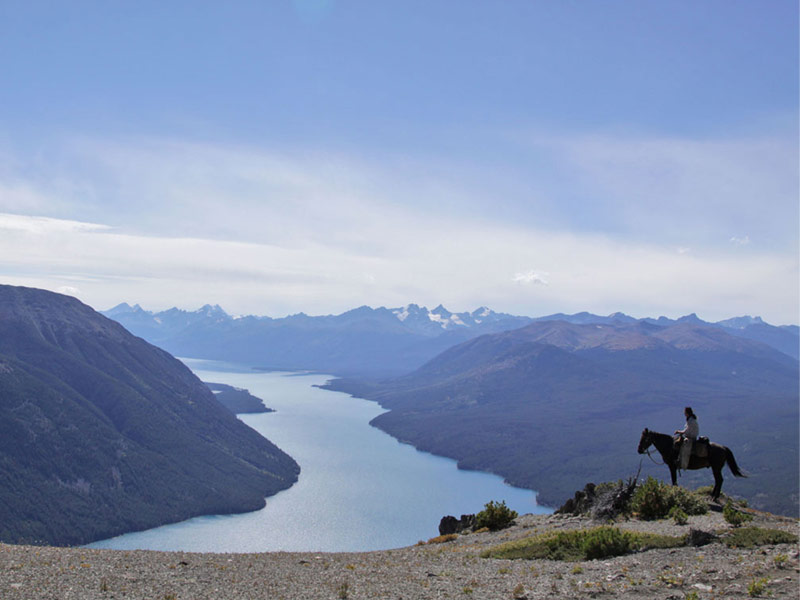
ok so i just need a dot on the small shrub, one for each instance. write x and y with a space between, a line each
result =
654 500
495 516
650 500
733 516
677 514
749 537
757 587
518 592
780 561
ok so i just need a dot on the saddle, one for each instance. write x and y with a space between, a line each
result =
700 448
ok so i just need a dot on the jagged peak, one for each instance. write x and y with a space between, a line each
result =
215 310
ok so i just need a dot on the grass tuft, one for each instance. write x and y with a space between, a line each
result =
441 539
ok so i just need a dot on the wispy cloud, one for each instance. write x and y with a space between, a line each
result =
163 223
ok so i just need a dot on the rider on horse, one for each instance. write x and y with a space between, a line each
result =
688 436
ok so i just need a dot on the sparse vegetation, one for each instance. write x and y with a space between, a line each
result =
749 537
343 590
757 587
495 516
780 561
582 544
655 499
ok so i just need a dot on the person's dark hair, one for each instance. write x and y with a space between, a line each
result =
689 412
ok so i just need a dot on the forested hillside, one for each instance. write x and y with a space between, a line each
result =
102 433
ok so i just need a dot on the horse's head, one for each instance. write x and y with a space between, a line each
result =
645 441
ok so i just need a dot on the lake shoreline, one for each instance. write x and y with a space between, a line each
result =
394 493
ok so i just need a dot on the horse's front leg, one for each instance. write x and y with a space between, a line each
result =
673 473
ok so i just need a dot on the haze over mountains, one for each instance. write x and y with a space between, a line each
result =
375 342
102 433
548 402
555 404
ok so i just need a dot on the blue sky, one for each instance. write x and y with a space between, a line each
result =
276 157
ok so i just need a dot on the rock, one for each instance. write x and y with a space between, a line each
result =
703 587
450 524
581 503
698 537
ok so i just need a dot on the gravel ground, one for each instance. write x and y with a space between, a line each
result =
446 570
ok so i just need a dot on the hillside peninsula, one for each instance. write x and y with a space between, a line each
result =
451 569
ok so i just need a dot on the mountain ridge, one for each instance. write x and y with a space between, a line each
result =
374 342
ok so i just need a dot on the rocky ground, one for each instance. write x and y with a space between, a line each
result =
434 570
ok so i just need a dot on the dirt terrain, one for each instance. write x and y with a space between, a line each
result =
451 569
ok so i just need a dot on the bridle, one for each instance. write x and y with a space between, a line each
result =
650 456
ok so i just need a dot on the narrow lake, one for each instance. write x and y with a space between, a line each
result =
359 488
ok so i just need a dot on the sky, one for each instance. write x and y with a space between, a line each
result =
318 155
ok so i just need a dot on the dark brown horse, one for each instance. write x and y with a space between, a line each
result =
717 457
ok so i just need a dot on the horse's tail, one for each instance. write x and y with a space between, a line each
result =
732 463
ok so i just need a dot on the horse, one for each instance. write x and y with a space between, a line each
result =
718 455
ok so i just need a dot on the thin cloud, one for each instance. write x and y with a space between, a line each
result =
45 225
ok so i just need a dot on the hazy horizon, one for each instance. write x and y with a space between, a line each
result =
319 155
190 308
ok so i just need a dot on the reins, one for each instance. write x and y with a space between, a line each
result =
653 459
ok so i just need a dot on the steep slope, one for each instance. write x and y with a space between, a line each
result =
102 433
554 403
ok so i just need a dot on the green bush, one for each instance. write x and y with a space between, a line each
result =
495 516
734 516
654 500
582 544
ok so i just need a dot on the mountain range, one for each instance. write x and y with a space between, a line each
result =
102 433
554 404
374 342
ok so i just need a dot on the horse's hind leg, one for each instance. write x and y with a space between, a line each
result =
717 483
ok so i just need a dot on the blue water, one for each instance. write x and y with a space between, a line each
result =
359 488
